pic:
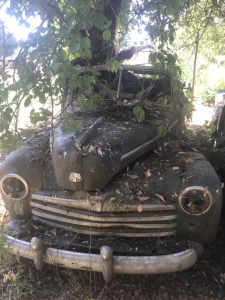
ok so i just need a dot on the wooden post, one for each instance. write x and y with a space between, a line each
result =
195 60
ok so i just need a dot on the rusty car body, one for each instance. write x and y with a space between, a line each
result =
115 179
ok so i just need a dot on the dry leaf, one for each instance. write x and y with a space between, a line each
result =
132 176
142 198
165 144
10 275
127 123
145 185
161 197
182 153
205 191
123 128
222 185
148 173
97 192
140 208
188 160
222 275
217 191
84 154
175 168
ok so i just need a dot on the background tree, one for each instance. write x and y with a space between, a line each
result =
203 26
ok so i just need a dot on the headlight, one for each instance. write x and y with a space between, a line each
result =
195 200
14 186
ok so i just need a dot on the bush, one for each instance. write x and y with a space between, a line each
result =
208 96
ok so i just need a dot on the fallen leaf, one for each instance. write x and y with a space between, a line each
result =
175 168
222 185
161 197
222 275
132 176
140 208
217 191
148 173
139 193
142 198
10 275
123 128
205 191
97 192
188 160
127 123
165 144
84 154
182 153
145 185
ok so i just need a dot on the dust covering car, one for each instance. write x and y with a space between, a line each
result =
118 195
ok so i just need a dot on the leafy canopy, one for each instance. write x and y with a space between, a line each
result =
78 29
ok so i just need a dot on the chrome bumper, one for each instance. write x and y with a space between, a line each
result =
105 262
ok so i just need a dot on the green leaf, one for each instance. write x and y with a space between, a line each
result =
108 24
70 20
85 42
52 41
55 67
171 59
74 47
106 34
66 116
139 113
28 101
96 72
162 129
99 23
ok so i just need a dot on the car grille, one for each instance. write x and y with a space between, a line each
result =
82 216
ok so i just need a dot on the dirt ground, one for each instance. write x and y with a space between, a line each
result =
205 280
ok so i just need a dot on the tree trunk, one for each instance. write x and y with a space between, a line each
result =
195 61
100 48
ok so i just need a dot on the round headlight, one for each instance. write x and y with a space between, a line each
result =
195 200
14 186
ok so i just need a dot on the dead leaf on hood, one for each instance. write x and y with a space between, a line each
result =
188 160
127 123
142 198
161 197
140 208
148 173
132 176
97 192
205 191
175 168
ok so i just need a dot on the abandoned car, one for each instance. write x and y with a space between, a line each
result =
118 195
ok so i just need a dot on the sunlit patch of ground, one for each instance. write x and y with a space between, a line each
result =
200 115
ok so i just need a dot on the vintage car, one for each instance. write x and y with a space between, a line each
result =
118 195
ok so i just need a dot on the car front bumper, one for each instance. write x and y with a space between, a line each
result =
105 262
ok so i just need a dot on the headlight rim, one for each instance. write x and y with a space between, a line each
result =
17 177
199 188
